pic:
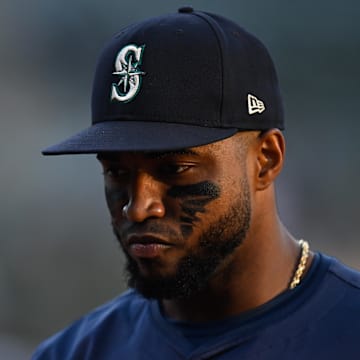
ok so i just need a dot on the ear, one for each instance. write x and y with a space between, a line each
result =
270 157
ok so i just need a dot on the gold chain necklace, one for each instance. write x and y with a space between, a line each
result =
301 265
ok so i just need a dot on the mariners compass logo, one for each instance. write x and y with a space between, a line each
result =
127 68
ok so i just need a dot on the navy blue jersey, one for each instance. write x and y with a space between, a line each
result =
320 319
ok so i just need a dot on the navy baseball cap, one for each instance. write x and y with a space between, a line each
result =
177 81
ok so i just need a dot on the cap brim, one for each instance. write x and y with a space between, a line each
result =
112 136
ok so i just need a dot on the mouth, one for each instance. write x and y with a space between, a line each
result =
147 246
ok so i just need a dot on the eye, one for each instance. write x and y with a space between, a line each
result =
115 172
174 169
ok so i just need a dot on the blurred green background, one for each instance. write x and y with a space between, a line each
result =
58 258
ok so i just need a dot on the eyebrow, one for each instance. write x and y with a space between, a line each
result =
149 155
163 154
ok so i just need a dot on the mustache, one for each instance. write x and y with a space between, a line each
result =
150 227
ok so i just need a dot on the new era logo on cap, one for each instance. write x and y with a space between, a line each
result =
255 105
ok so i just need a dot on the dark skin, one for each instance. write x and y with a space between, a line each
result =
161 204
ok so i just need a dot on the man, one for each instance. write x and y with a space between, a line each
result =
187 120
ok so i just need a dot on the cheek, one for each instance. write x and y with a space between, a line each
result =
193 200
115 199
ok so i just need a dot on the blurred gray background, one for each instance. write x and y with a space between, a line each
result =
58 258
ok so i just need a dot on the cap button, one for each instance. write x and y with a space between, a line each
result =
185 9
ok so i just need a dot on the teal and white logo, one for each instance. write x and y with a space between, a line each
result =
127 68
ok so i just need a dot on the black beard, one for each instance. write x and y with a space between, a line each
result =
196 269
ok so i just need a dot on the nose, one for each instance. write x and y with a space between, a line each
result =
144 199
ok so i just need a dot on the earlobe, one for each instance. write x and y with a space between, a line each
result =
270 157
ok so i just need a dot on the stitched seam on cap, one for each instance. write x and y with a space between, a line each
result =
213 24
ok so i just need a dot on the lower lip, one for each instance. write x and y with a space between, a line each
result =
148 250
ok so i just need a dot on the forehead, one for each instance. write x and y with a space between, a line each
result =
231 149
214 149
147 154
222 149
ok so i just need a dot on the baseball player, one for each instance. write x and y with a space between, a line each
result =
187 123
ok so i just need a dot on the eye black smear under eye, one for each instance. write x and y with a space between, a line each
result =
194 198
205 188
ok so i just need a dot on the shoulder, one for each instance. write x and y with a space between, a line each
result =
348 276
331 317
120 314
340 286
343 290
339 281
334 304
329 300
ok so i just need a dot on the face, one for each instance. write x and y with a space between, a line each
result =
179 216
